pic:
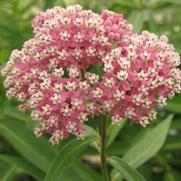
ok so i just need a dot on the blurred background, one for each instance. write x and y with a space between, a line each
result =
158 16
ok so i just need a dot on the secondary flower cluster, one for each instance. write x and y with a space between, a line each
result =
137 77
51 74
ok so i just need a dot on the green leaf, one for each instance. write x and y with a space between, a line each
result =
136 19
114 149
74 175
7 172
113 131
90 131
85 172
12 112
70 175
127 171
65 157
149 145
115 175
174 104
24 165
36 150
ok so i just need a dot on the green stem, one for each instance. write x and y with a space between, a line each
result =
103 150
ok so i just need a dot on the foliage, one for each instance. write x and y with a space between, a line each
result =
154 151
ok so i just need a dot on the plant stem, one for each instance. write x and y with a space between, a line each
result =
103 150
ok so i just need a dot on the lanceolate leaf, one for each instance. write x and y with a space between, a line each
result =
7 171
113 131
115 175
24 165
90 131
37 150
127 171
174 104
65 157
13 113
85 172
71 175
149 145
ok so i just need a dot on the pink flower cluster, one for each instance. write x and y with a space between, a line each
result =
77 37
137 77
51 74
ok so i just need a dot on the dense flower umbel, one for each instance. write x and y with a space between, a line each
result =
52 76
48 74
77 37
55 99
137 78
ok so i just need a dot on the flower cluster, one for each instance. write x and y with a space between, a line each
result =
78 37
48 74
138 77
51 74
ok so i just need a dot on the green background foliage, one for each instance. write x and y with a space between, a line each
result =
153 152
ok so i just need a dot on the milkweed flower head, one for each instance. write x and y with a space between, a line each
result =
52 74
49 74
138 77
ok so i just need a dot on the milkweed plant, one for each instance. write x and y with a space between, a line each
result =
80 65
